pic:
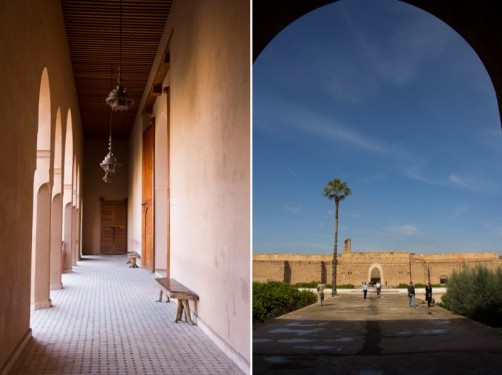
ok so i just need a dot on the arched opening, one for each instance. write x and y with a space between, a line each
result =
57 208
346 134
41 254
375 274
56 242
68 195
40 266
161 198
76 231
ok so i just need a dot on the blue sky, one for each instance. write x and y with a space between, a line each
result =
391 100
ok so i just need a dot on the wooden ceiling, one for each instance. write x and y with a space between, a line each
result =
93 33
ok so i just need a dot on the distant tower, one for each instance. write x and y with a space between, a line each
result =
346 249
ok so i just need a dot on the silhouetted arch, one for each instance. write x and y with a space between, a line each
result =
483 32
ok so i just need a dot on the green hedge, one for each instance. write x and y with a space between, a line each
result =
476 293
275 298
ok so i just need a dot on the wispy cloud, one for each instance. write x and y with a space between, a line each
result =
337 132
470 182
293 208
405 229
457 180
294 174
394 60
415 170
419 170
312 124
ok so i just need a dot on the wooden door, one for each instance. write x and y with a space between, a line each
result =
113 227
147 260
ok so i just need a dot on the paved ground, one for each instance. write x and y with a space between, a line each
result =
106 321
348 335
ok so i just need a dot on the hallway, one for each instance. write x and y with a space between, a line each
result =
106 321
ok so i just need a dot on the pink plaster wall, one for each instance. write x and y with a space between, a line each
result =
210 164
32 37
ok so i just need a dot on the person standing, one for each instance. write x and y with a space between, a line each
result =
320 293
378 288
428 294
365 290
411 295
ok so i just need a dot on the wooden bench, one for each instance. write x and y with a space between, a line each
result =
132 256
174 289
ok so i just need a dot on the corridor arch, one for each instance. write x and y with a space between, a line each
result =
40 265
68 195
56 208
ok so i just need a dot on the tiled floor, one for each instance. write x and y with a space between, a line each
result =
106 321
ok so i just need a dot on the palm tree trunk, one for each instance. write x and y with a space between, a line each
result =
335 253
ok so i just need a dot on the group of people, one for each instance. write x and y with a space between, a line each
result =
378 289
378 286
411 293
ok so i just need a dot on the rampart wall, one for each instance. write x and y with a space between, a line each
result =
354 267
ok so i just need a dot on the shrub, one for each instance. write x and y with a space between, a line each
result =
312 284
276 298
475 293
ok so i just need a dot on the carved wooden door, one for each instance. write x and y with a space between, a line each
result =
147 260
113 227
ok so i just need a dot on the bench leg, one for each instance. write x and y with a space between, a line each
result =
179 311
133 263
160 297
188 315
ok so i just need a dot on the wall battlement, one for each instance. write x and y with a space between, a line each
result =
391 268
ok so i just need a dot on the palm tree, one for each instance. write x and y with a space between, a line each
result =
338 191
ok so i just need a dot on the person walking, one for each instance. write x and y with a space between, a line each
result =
320 293
428 294
411 295
365 290
378 288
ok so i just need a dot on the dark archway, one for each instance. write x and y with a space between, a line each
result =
479 23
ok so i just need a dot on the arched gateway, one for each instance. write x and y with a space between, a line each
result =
375 273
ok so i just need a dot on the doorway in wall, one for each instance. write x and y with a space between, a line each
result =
113 227
147 254
375 276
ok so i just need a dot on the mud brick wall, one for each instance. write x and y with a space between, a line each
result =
354 267
265 270
304 271
358 267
